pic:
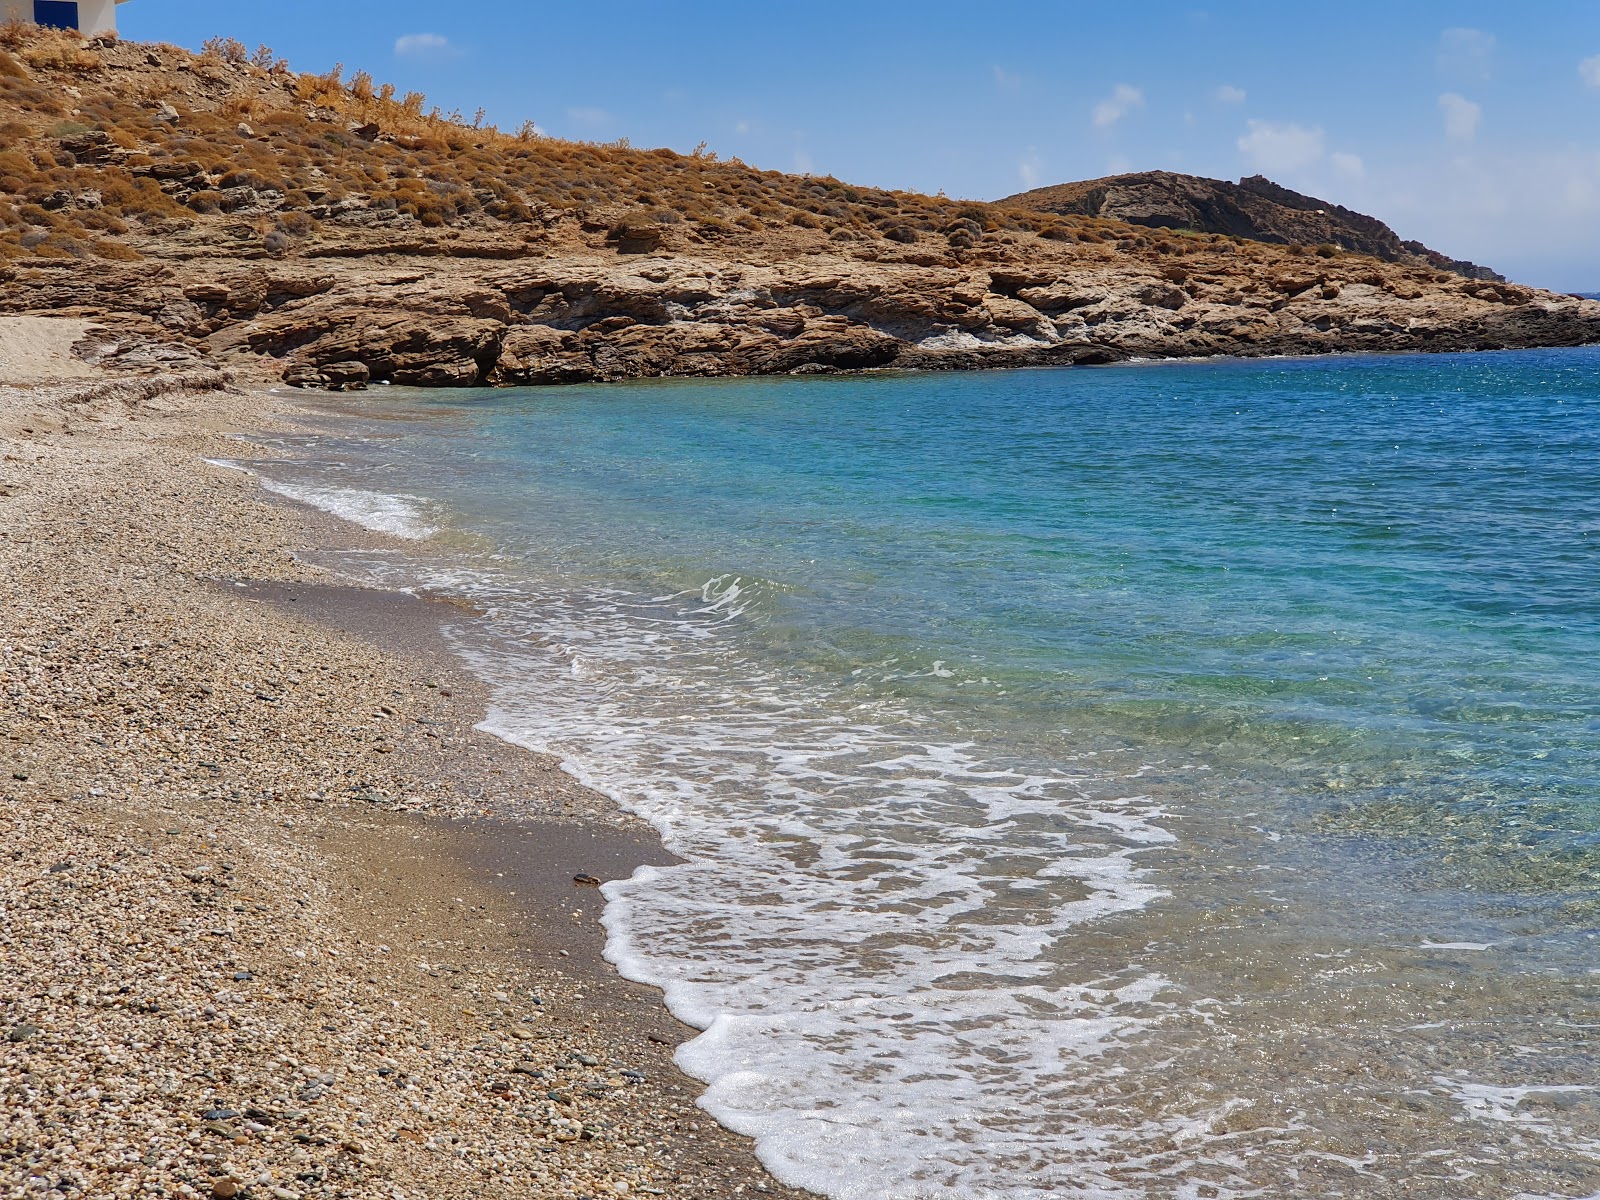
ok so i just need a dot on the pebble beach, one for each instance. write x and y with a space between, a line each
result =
274 919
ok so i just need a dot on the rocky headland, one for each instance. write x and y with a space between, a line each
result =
221 209
1254 208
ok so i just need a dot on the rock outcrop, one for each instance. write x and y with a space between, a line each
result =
1254 208
600 317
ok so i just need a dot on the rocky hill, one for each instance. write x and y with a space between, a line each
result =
223 209
1254 208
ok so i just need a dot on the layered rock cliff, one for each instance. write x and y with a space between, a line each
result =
227 211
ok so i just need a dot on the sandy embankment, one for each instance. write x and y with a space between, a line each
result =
257 935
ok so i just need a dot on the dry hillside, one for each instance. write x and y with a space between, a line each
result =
222 208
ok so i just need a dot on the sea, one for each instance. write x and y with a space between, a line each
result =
1160 780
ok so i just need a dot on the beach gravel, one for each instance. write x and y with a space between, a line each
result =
250 941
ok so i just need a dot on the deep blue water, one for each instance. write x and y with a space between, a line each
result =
1089 711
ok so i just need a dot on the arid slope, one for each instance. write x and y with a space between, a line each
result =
222 208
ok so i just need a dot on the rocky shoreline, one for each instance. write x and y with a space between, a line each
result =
583 316
219 209
275 921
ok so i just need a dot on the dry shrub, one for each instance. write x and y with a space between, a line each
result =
225 49
58 50
115 251
135 196
104 222
297 223
59 245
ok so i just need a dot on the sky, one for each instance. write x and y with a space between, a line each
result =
1474 127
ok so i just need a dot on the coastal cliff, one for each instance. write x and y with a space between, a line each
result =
222 209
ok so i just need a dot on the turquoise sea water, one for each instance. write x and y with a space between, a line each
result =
1167 780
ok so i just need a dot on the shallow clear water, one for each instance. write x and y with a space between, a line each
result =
1176 780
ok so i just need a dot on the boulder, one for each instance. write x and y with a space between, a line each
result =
537 354
636 236
350 376
303 375
830 341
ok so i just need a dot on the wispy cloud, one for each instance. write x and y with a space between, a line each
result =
741 127
1589 71
1348 165
1007 81
1467 53
1273 147
1460 117
1228 94
589 118
1031 168
1124 98
423 45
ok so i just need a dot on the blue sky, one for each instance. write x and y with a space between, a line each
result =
1472 126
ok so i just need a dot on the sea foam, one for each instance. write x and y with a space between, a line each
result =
396 514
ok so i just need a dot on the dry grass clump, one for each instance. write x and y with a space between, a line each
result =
243 138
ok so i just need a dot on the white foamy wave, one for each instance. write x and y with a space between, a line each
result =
865 904
927 968
397 514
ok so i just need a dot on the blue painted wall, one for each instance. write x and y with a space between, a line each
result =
59 14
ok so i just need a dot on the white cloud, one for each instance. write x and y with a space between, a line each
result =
1348 165
1031 168
1228 94
1468 53
1589 71
1460 117
741 126
1123 99
1271 147
589 117
422 45
1526 210
1006 81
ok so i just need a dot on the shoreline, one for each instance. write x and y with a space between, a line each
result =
277 919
